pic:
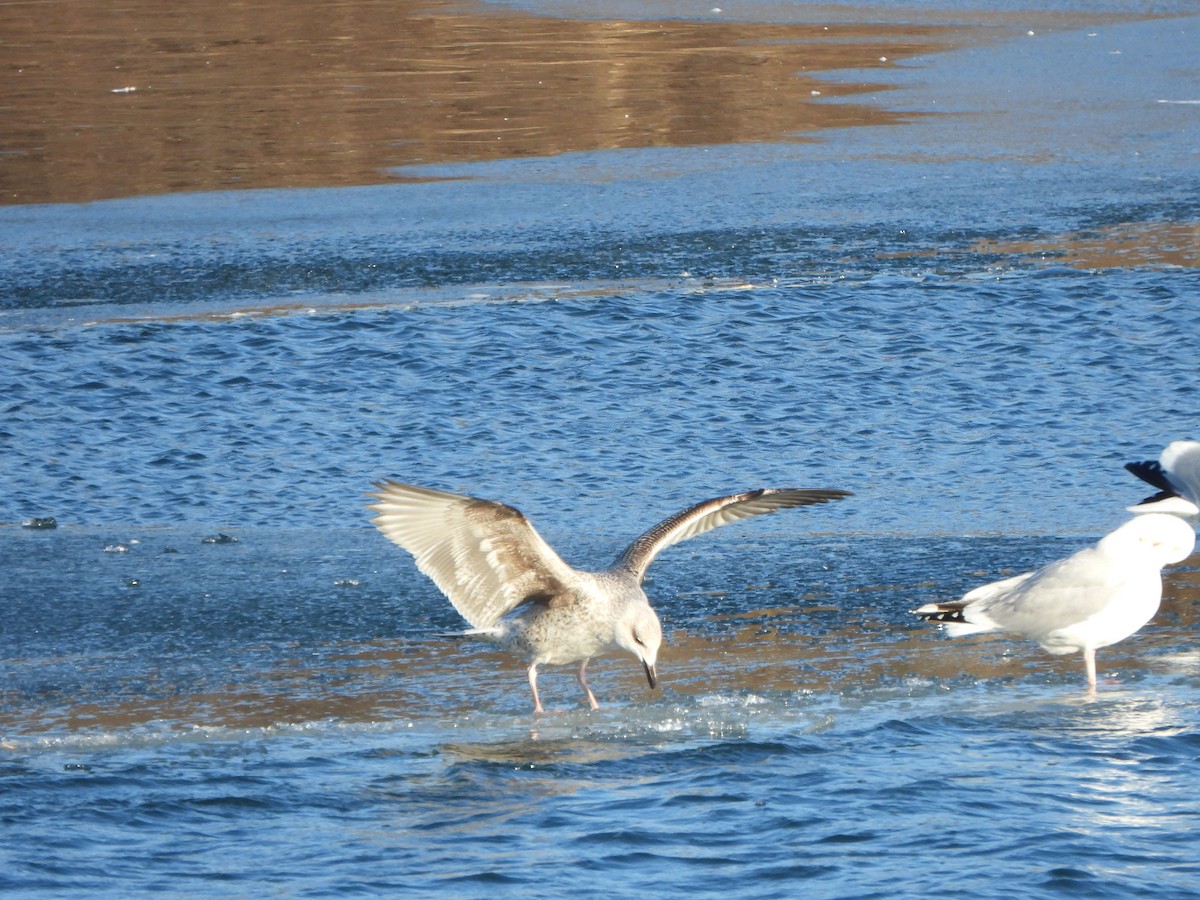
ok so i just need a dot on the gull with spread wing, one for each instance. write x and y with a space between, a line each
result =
1176 474
508 583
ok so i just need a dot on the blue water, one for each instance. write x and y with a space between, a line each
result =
601 339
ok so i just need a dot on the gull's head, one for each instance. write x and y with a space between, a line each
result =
1154 537
639 632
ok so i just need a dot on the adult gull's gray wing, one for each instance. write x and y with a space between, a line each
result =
712 514
1033 603
1056 596
484 556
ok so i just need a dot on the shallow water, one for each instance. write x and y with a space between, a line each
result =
967 295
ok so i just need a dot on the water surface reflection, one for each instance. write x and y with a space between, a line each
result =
154 98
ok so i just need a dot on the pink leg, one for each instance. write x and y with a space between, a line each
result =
583 683
537 703
1089 660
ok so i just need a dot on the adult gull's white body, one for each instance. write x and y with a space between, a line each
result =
1092 599
514 589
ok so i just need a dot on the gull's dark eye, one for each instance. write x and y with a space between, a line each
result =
638 640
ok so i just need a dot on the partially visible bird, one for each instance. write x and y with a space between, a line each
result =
1092 599
515 590
1176 474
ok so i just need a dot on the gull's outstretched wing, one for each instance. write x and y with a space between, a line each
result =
1181 459
1176 474
712 514
1151 472
484 556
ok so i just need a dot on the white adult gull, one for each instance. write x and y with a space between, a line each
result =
1176 474
508 583
1092 599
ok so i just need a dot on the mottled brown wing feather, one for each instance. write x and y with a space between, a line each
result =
484 556
714 513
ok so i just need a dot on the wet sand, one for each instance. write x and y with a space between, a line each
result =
761 651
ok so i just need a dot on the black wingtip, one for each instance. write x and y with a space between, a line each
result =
944 615
942 612
1152 473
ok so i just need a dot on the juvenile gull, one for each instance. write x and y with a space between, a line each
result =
1176 474
1092 599
515 590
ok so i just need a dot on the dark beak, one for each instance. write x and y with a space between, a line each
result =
651 675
